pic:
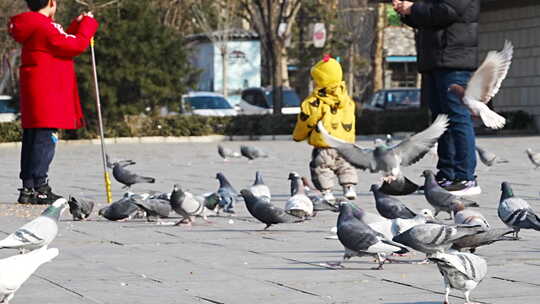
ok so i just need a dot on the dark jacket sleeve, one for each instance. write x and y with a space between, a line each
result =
436 15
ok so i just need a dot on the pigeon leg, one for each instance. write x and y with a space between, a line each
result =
267 226
380 260
467 293
446 294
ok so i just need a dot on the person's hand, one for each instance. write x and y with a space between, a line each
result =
89 14
79 18
402 7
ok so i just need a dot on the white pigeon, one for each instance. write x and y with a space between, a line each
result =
17 269
484 85
391 228
39 232
462 271
299 204
259 188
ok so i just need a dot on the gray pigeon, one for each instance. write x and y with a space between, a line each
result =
487 237
80 208
488 158
155 208
226 194
126 177
259 188
515 212
440 198
186 205
390 207
433 238
317 198
462 271
18 268
252 152
466 216
389 159
359 239
39 232
266 212
122 209
534 157
226 153
400 186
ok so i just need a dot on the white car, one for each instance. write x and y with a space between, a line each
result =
207 104
260 101
7 114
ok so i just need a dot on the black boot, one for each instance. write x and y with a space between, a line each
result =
45 196
26 196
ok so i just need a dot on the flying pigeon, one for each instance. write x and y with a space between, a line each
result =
440 198
390 207
466 216
389 159
252 152
317 198
80 208
153 207
122 209
462 271
433 238
39 232
488 158
186 205
534 157
484 85
266 212
359 239
259 188
18 268
487 237
299 204
400 186
226 193
515 212
126 177
226 153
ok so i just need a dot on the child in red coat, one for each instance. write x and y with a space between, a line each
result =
49 98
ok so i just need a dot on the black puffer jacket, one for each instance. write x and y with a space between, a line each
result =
447 34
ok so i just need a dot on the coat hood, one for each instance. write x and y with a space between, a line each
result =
327 73
22 26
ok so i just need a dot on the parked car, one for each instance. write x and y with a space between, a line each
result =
260 101
207 104
7 113
397 98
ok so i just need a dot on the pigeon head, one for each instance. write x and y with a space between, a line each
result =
427 173
101 211
458 90
293 175
56 209
219 175
258 179
506 191
374 188
177 195
247 195
529 151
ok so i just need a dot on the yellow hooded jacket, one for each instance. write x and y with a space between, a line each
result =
328 102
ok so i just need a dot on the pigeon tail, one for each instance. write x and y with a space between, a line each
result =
490 118
468 203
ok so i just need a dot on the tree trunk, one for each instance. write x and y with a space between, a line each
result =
350 74
378 82
224 68
277 79
284 67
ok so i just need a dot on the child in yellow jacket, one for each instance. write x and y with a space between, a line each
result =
329 103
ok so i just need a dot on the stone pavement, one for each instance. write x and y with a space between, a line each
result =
234 262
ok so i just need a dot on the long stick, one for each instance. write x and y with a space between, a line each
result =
100 121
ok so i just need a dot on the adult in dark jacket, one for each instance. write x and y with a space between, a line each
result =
447 46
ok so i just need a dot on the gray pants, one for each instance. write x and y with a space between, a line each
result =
327 163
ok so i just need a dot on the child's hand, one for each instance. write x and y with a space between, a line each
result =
89 14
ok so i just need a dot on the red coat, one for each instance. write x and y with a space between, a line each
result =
49 97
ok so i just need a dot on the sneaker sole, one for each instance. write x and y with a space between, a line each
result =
467 192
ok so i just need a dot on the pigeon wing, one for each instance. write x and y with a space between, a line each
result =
415 147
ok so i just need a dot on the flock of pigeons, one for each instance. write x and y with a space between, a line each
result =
396 229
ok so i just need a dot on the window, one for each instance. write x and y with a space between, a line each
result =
208 102
290 99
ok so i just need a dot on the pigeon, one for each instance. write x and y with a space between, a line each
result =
401 186
484 85
515 212
440 198
488 158
153 207
390 207
433 238
467 216
18 268
259 189
317 198
462 271
80 208
487 237
226 193
389 159
252 152
534 157
226 153
186 205
39 232
360 239
122 209
299 204
266 212
391 228
126 177
211 201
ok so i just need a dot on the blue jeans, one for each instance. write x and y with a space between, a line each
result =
37 154
456 151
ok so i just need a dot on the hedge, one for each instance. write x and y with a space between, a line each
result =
368 122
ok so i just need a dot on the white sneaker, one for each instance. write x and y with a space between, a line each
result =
328 195
349 192
464 188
